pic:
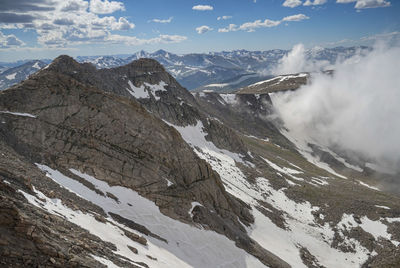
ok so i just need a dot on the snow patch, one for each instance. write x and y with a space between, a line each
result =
36 65
11 76
169 183
104 261
18 114
384 207
369 186
143 92
288 171
137 92
376 228
194 204
157 87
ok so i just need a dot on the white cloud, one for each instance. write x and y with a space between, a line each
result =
203 29
360 4
356 109
267 23
298 17
105 6
74 22
122 25
296 61
202 7
315 3
231 28
251 26
292 3
224 18
8 41
163 20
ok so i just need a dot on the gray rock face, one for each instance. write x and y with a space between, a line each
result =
76 122
115 125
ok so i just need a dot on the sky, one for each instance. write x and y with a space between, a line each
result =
38 29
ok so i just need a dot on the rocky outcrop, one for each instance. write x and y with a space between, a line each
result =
74 124
278 83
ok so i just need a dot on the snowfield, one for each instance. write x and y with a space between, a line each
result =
301 228
187 245
144 91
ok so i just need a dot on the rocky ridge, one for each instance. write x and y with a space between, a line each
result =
213 161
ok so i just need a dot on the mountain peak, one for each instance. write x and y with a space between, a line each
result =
146 65
67 64
64 59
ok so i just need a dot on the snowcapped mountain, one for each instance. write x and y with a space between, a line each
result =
199 70
14 75
123 167
196 70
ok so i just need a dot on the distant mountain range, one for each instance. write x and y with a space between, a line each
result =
230 70
14 75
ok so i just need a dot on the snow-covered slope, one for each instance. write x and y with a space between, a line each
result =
128 169
12 76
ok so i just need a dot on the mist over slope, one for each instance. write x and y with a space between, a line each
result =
356 109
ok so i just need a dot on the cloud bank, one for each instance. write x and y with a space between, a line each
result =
357 109
267 23
62 23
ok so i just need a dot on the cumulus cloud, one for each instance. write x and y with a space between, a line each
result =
26 5
298 17
122 25
163 20
355 110
267 23
224 18
72 5
73 22
63 21
8 41
360 4
105 6
292 3
314 3
202 7
231 28
203 29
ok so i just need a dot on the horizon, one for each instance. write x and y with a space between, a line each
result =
126 55
42 29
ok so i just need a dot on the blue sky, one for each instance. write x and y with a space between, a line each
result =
47 28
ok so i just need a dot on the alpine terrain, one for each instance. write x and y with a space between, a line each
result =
217 71
124 167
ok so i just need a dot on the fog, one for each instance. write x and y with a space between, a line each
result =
356 109
296 61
